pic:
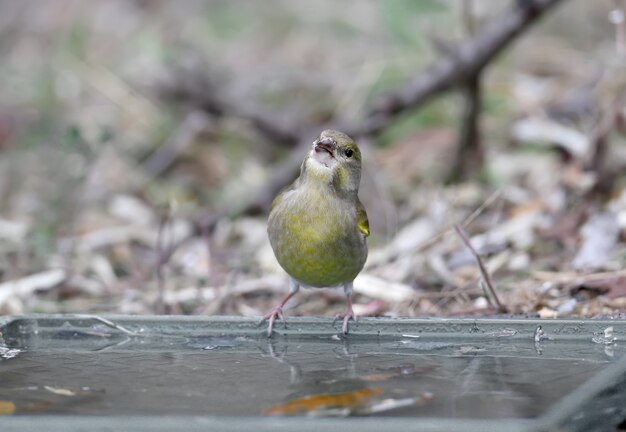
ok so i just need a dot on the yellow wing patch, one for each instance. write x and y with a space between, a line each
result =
362 222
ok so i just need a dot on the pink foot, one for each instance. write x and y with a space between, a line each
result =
276 313
347 316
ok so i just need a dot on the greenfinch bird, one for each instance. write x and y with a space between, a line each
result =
317 227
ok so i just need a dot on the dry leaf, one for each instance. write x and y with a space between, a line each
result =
7 407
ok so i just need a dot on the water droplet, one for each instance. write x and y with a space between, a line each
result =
604 337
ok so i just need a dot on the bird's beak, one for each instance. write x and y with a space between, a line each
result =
325 144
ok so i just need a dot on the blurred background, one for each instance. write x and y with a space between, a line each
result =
141 143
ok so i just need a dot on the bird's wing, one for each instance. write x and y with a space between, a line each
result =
362 222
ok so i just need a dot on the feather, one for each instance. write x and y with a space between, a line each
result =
362 222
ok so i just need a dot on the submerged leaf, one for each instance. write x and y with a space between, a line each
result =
7 407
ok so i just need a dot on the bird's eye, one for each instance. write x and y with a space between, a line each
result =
349 153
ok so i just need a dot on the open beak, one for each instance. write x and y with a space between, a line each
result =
326 144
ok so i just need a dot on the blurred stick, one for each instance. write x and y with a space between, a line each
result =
371 263
456 70
462 68
618 19
469 17
599 140
202 226
283 173
163 255
611 117
203 94
491 294
453 70
163 157
470 154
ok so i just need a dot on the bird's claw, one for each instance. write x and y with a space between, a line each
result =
276 313
347 316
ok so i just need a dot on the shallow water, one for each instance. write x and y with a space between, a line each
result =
97 372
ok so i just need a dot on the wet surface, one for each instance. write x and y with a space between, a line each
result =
99 370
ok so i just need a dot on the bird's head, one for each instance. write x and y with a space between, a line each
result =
334 160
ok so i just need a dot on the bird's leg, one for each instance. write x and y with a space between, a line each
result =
349 314
278 311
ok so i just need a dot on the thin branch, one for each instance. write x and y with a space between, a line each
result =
163 255
470 154
446 232
199 90
163 157
283 174
483 269
450 72
469 16
599 139
618 19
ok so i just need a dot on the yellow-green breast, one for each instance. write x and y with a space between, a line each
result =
316 238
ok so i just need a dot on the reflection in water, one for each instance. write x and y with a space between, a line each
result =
341 392
104 374
326 403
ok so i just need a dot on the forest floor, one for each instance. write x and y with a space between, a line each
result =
118 139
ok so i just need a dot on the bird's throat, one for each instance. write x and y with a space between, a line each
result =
323 157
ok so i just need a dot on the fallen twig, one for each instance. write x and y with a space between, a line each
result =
491 294
109 324
572 277
372 263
